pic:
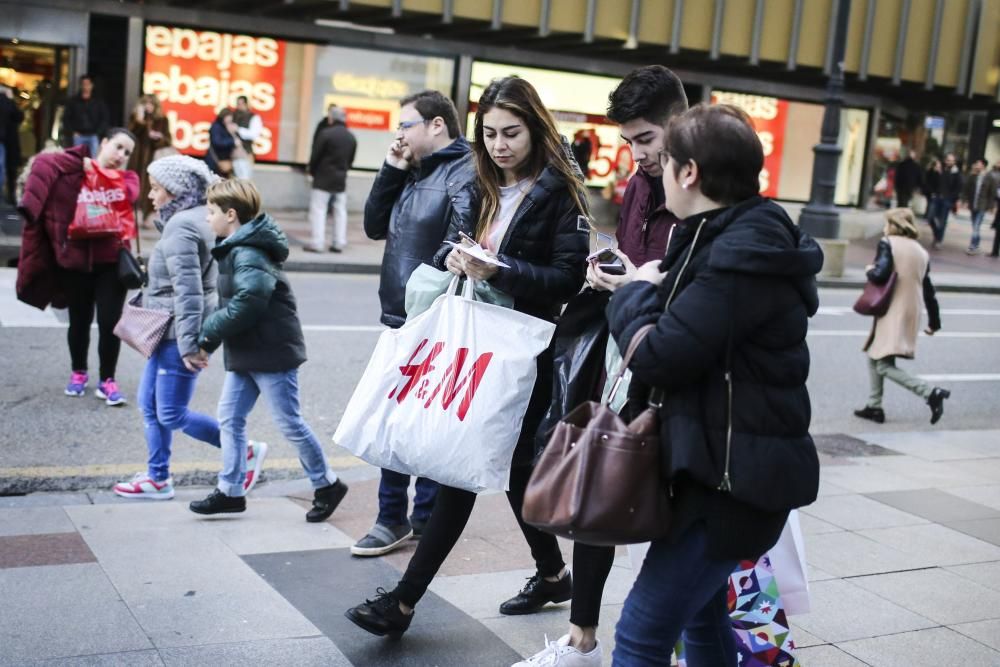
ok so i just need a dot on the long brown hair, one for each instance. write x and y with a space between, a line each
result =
521 99
157 107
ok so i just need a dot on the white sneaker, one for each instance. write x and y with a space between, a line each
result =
256 451
562 654
141 486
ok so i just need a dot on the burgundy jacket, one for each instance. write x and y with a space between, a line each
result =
48 206
642 227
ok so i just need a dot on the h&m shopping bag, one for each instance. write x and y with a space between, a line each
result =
443 396
102 207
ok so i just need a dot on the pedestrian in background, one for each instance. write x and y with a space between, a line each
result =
642 105
909 177
182 281
995 252
730 356
932 191
258 324
80 275
10 122
86 118
894 334
249 127
223 144
949 194
527 202
332 157
411 202
979 195
152 132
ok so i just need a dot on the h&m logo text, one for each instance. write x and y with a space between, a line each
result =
419 376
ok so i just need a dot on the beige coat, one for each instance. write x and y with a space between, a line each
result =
895 333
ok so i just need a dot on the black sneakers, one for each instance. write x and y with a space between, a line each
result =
936 401
218 503
876 415
325 500
537 593
380 616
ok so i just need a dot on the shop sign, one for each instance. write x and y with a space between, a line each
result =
768 115
196 73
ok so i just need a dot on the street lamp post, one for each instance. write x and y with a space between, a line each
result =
819 217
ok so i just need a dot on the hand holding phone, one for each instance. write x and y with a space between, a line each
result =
608 262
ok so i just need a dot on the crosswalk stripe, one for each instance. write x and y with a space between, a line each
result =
939 334
962 377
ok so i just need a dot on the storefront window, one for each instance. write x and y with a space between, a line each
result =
788 130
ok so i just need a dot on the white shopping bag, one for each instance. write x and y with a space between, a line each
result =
788 560
443 396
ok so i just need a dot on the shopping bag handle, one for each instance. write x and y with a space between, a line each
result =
468 290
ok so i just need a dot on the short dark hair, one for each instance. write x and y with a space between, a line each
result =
722 141
652 93
243 98
431 104
981 159
86 77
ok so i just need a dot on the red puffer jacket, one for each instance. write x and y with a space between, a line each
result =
48 206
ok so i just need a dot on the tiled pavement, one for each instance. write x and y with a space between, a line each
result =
903 546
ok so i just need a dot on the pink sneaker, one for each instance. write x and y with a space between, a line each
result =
108 390
256 451
141 486
77 385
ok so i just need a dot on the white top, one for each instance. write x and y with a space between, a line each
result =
510 199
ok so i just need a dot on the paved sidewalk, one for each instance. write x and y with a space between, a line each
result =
903 546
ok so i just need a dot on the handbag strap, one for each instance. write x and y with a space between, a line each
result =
655 395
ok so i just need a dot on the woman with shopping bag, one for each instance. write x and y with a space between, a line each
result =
67 266
730 357
533 234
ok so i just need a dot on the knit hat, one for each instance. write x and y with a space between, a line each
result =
180 174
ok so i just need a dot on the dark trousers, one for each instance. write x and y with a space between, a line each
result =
447 522
393 499
85 291
996 234
591 567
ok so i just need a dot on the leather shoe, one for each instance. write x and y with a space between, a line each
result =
537 593
381 616
936 401
873 414
325 500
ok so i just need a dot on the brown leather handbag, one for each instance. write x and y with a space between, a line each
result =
598 480
876 299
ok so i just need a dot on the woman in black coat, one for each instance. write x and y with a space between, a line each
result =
730 305
532 217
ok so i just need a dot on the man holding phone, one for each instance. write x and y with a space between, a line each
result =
419 188
642 105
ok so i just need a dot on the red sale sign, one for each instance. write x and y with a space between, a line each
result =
769 115
196 73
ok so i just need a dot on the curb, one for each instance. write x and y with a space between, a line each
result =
851 283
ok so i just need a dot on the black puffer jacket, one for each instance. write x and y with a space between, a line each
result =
746 294
412 211
332 156
546 249
258 320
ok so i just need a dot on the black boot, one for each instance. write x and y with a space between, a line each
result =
380 616
536 593
219 503
874 414
325 500
936 401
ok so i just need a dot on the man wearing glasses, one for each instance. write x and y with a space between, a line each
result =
414 196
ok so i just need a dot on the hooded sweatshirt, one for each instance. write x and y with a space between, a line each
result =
742 304
258 322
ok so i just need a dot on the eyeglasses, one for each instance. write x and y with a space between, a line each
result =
407 124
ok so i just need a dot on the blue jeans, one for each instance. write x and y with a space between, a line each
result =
165 391
940 207
679 590
3 171
239 394
977 222
91 140
393 501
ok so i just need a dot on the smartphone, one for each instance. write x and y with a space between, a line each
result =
608 262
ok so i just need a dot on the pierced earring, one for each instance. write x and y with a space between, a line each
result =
684 185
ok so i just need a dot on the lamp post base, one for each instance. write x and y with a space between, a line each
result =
820 221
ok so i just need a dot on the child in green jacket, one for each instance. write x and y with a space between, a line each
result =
258 325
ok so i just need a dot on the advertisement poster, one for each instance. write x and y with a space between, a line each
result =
768 115
196 73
